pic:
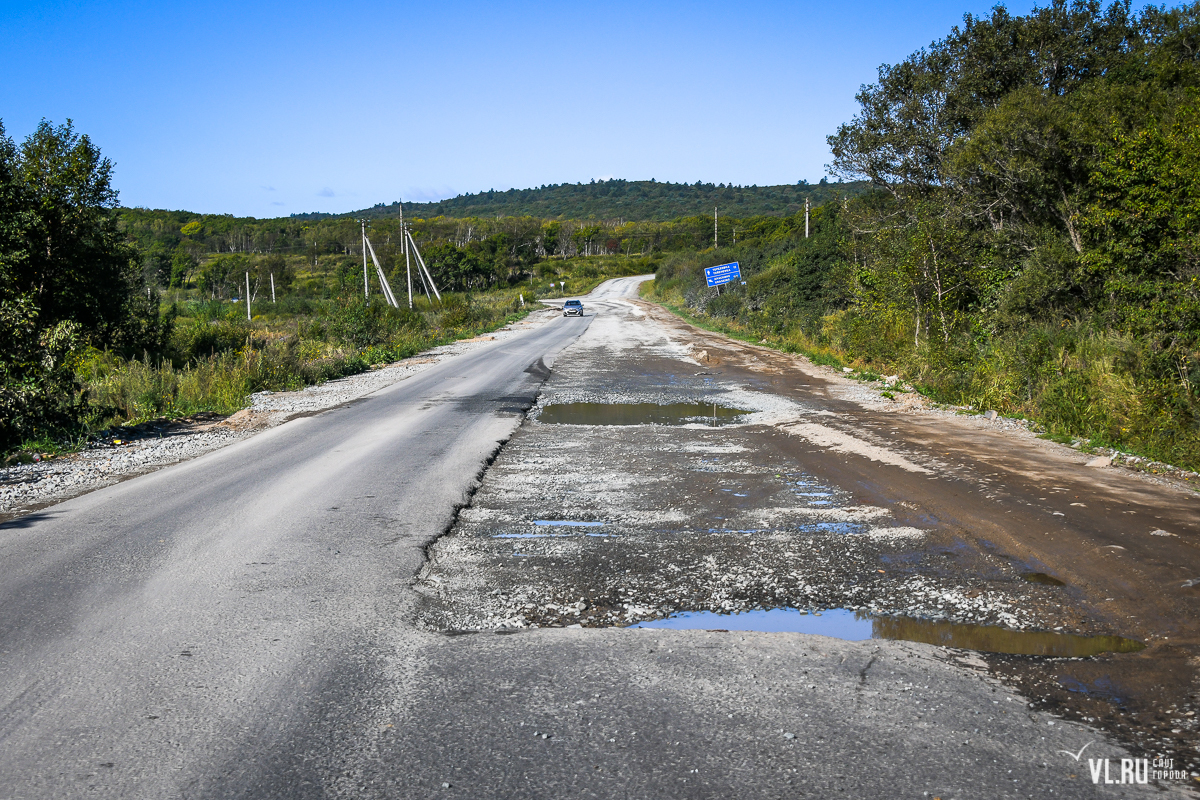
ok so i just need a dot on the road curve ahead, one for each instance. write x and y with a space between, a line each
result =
168 636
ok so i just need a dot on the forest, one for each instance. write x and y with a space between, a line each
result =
621 200
1031 239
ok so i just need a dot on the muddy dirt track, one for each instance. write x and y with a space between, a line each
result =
434 591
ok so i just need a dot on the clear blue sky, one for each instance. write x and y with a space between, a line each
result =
267 109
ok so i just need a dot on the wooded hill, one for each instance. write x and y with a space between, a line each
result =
636 201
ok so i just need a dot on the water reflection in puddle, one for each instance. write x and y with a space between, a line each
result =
838 623
529 535
835 527
841 623
638 414
1042 578
567 523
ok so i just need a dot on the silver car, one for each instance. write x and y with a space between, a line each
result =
573 308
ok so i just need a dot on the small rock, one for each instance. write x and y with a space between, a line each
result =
990 415
1099 461
847 369
1160 532
445 786
789 736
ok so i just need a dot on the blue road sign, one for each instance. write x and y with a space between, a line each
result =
722 274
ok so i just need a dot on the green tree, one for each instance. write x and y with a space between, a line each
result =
80 266
67 276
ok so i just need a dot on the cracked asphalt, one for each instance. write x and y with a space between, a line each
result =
361 602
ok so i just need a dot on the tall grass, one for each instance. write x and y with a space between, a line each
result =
219 358
1078 380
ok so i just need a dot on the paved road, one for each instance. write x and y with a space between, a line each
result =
240 626
152 630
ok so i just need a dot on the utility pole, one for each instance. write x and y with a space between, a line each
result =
407 265
714 227
366 285
806 218
272 287
248 297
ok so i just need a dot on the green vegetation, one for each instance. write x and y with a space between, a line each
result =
67 276
1032 243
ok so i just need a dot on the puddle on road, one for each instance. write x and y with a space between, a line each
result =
1042 578
847 528
529 535
567 523
838 623
639 414
841 623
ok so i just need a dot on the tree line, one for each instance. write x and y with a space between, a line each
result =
212 252
622 200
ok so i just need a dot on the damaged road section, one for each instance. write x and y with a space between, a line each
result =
780 499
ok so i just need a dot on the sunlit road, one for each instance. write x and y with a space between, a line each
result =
155 634
242 625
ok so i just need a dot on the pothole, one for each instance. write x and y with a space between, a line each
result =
639 414
841 623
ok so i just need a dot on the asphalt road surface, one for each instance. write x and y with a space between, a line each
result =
242 625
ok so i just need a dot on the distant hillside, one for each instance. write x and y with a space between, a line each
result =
637 201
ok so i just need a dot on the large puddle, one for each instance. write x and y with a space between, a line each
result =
639 414
841 623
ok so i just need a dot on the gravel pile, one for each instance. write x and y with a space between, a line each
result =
153 445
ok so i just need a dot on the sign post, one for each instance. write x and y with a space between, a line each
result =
722 274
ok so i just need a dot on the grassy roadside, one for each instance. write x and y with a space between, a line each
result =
218 359
722 325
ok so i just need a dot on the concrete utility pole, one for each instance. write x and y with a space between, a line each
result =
407 263
366 285
248 297
272 287
806 218
714 227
